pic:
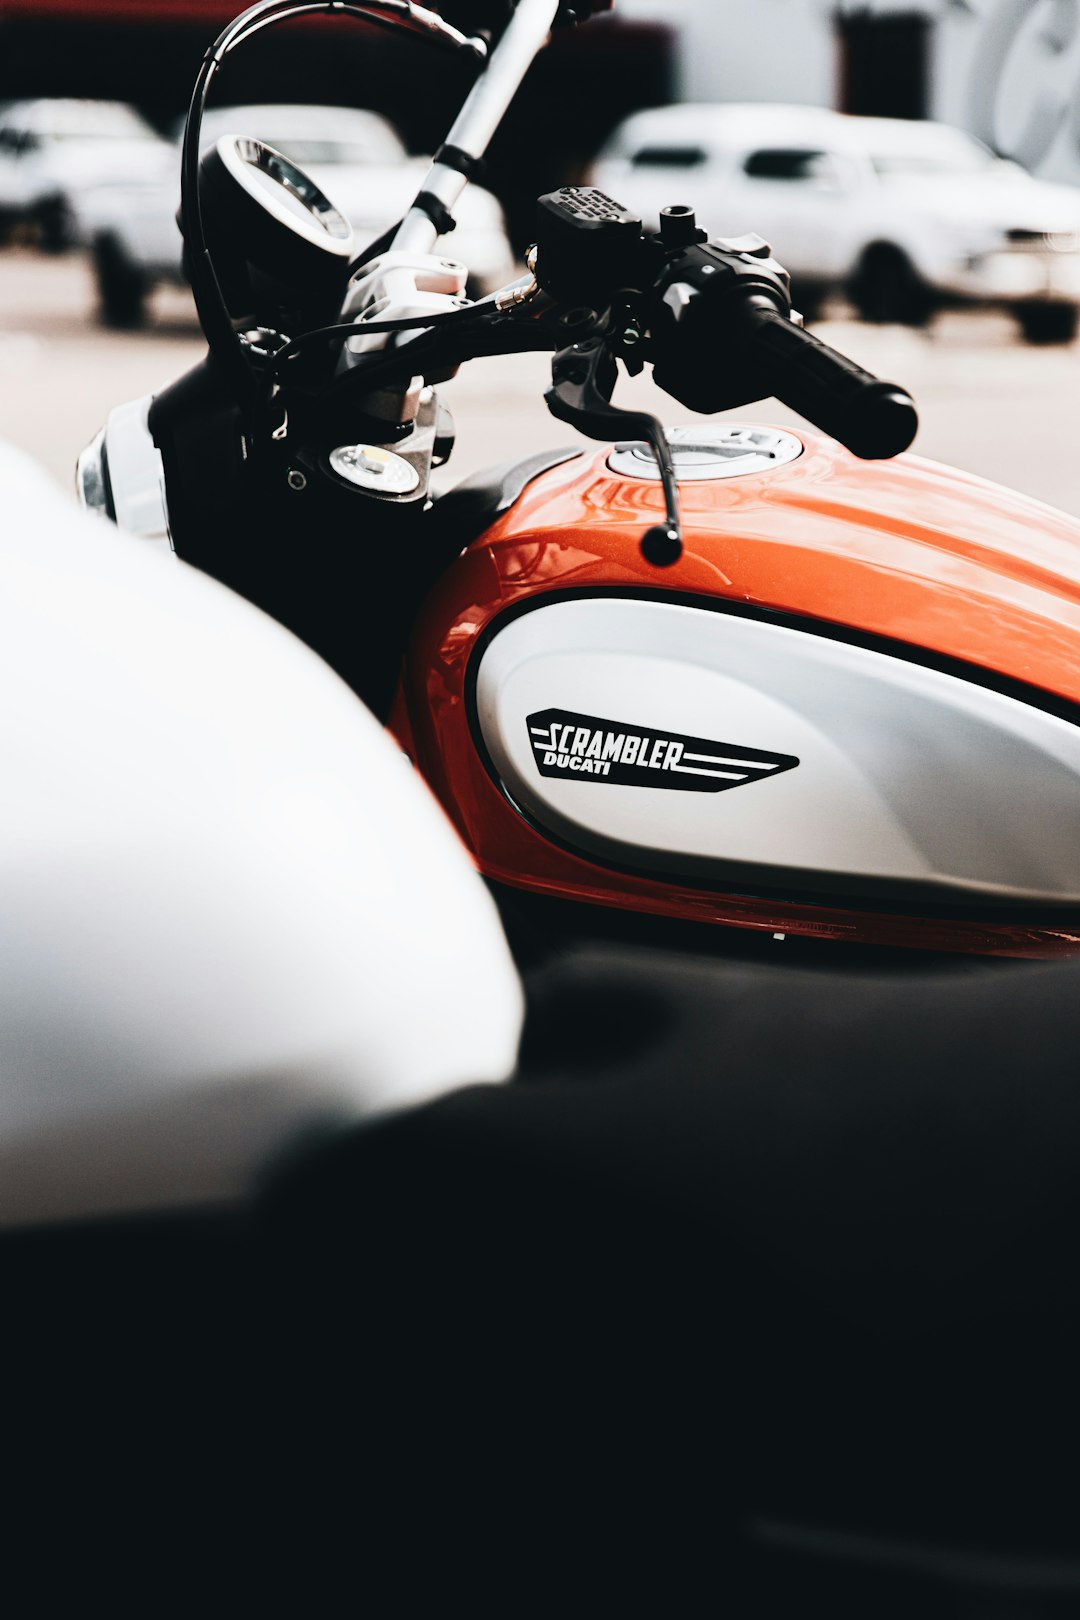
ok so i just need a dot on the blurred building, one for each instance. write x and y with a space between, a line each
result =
1008 70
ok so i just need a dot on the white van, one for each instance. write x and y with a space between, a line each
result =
904 216
53 149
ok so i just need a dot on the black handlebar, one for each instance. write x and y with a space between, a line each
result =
714 319
874 419
720 316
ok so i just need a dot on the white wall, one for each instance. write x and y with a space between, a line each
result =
748 50
765 50
1010 71
1007 69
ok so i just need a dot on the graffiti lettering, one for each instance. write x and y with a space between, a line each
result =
1055 28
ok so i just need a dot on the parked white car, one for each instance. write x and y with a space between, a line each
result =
53 150
904 216
353 155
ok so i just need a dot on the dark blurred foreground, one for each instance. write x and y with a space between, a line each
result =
752 1297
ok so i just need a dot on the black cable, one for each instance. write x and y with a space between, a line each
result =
390 363
373 249
342 330
222 339
399 323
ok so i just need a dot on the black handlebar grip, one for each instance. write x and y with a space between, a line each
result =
873 419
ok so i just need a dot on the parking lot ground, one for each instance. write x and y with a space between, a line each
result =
987 402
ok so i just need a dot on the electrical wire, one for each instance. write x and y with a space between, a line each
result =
373 249
344 330
210 303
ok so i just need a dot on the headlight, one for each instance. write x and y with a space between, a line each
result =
92 478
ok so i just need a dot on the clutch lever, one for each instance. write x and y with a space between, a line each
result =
583 379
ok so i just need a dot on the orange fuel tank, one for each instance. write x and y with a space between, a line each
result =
922 625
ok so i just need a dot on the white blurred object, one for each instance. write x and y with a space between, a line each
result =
233 915
53 151
352 155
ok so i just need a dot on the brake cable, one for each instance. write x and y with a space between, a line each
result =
398 15
338 333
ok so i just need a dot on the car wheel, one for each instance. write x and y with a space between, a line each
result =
887 289
55 224
809 300
122 286
1048 323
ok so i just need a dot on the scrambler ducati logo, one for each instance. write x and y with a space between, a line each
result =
589 749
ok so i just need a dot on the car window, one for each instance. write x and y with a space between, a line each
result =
63 120
785 163
669 157
963 155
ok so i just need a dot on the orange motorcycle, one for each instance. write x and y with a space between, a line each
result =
728 674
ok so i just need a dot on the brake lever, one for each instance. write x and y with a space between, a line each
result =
583 379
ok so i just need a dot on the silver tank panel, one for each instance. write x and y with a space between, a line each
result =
696 743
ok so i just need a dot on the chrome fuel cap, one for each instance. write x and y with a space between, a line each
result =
371 467
728 450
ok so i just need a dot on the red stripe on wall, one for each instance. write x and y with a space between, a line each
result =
145 12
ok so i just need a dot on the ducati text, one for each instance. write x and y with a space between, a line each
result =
589 748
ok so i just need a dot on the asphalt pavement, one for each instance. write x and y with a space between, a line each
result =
988 403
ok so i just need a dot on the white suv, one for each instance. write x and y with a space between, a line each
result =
53 150
904 216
